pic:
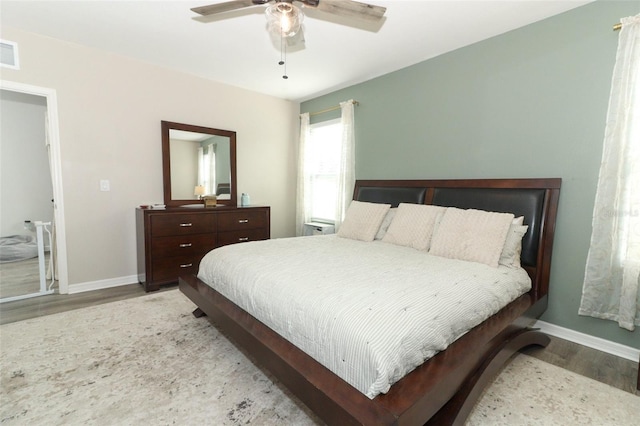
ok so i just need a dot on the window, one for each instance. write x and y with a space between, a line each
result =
324 169
207 168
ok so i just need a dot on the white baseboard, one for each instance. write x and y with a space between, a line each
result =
603 345
102 284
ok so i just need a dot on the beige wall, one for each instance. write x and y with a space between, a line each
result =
110 108
184 168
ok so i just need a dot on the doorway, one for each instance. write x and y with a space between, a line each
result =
31 194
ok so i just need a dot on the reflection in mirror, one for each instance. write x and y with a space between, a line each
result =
198 162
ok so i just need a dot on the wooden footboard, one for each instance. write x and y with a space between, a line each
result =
444 388
323 392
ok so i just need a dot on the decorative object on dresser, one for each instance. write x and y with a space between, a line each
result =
210 201
172 242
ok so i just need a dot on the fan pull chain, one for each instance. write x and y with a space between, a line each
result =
285 76
283 56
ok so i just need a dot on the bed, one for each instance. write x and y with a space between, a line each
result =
443 389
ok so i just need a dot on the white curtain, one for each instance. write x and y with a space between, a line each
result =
346 180
613 265
207 169
346 173
210 186
303 204
200 166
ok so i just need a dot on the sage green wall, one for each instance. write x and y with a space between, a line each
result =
528 103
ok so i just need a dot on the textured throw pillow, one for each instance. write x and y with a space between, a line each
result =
413 225
363 220
473 235
512 249
385 223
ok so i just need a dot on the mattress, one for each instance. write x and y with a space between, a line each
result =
370 312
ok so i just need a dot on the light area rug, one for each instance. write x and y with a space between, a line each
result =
149 361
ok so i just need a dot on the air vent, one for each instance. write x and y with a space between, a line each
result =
9 54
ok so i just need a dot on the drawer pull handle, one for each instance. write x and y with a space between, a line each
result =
186 265
186 245
243 239
185 224
243 220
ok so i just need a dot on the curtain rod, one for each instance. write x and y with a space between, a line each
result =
333 108
617 26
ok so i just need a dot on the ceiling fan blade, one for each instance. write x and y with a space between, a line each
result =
213 9
349 8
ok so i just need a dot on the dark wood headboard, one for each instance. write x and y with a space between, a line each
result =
535 199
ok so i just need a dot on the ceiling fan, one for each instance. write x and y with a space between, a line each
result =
285 18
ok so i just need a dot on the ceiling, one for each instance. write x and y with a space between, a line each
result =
237 49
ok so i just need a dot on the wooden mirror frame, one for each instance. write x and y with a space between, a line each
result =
166 162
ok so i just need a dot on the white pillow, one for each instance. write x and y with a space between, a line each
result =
473 235
413 225
518 221
385 223
363 220
512 249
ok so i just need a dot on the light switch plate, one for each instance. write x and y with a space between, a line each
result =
104 185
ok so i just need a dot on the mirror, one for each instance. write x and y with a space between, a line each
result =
196 156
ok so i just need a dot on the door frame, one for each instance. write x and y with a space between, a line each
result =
55 163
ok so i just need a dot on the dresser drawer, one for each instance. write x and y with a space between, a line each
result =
243 219
172 242
190 244
168 269
243 236
181 224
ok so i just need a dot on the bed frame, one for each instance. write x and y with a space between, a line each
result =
444 389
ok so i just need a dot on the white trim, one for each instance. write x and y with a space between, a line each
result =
603 345
56 171
16 57
26 296
102 284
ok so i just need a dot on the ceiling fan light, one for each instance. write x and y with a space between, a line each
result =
284 19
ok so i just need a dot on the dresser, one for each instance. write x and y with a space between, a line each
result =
171 242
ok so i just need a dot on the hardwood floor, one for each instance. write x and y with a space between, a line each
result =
603 367
23 277
54 303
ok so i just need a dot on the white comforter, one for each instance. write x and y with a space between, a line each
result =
369 311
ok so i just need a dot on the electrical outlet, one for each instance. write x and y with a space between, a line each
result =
104 185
